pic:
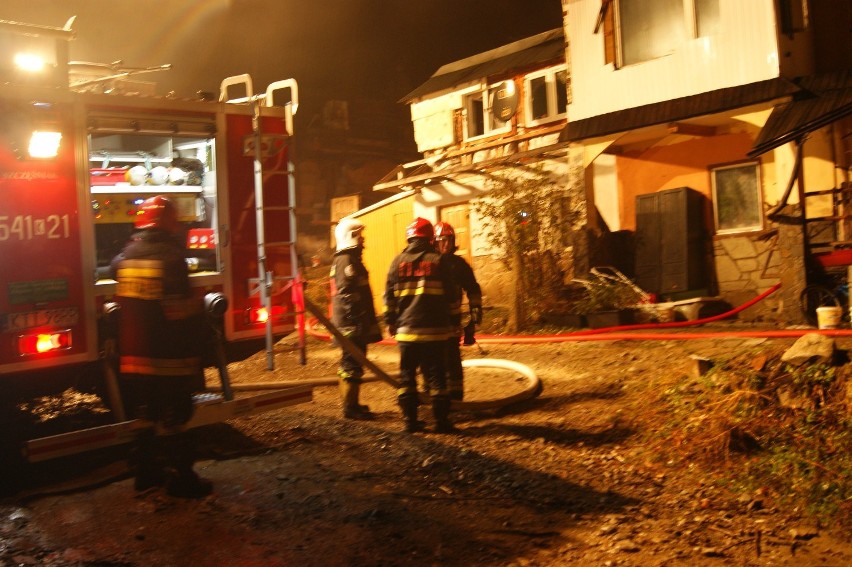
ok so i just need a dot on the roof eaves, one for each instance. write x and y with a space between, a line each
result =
663 112
822 99
541 48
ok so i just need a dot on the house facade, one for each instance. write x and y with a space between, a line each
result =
717 134
495 113
702 147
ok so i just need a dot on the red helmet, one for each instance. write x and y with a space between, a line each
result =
157 212
444 231
420 228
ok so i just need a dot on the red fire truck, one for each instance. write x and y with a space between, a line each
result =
74 167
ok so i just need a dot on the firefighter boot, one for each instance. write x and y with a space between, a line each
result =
441 412
146 463
350 391
455 386
184 482
408 403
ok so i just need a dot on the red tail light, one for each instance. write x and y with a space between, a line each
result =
40 343
259 315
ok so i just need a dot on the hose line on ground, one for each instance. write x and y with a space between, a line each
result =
531 390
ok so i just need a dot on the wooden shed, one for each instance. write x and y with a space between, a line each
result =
384 235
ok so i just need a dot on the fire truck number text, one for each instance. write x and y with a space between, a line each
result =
62 317
25 227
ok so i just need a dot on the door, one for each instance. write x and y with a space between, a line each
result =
458 216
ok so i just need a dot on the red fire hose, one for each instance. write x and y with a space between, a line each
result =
621 332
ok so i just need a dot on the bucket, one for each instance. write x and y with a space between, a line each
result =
829 317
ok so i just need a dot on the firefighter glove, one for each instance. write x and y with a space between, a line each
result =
476 315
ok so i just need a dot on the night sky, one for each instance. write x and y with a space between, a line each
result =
335 49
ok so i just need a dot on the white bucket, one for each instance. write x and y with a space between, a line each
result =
829 317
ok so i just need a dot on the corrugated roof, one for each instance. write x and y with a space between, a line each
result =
679 109
821 100
538 49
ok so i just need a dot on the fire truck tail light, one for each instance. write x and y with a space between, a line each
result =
44 144
40 343
259 315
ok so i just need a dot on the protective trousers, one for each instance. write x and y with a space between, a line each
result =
429 357
455 373
350 375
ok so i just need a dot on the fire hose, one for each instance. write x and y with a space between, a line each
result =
531 389
534 386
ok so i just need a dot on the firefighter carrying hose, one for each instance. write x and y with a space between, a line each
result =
417 298
445 242
160 349
353 312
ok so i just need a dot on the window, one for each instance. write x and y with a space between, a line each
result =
737 202
546 96
794 16
706 17
482 119
648 29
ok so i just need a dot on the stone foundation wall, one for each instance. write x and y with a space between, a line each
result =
748 265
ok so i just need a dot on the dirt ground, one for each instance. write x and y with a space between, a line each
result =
561 479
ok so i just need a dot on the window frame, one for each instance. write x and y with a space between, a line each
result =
614 18
722 225
551 86
484 95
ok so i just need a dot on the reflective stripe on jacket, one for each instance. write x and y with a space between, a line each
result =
162 327
418 294
352 310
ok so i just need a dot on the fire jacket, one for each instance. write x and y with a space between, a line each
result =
418 294
161 325
466 281
352 310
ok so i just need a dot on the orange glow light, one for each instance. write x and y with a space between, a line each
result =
44 342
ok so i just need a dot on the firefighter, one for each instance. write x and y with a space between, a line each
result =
445 242
353 312
160 332
417 301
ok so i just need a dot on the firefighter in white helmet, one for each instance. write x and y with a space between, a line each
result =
353 312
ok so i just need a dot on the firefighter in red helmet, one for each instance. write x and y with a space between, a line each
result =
158 343
445 242
418 295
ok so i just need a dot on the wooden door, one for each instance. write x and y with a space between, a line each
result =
459 217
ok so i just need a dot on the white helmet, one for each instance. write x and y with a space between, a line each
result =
159 176
346 233
137 175
177 176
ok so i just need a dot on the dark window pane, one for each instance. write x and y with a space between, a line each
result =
475 123
650 28
737 198
561 92
538 92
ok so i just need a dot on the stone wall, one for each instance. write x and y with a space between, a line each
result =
749 264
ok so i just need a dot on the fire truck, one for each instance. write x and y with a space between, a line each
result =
77 160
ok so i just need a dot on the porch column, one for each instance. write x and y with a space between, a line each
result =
791 249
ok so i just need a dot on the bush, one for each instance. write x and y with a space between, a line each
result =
787 429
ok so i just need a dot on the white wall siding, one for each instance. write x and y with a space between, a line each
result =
606 191
745 51
432 119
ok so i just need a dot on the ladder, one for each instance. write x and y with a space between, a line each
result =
260 145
